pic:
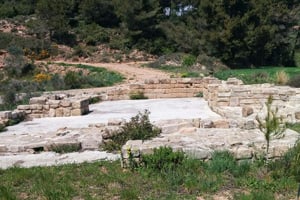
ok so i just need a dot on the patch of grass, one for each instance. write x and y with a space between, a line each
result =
98 77
179 71
257 75
65 148
200 94
162 175
135 95
294 126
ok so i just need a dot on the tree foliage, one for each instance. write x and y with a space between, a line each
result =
241 33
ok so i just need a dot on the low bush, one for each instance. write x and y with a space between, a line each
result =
138 128
137 95
189 60
163 160
224 161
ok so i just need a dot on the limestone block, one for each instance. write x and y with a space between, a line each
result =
90 144
3 149
76 112
80 103
53 103
135 86
5 114
15 148
38 100
297 115
221 124
67 112
242 153
52 112
65 103
234 101
46 107
247 111
248 125
234 81
28 111
278 150
23 107
59 112
36 115
37 111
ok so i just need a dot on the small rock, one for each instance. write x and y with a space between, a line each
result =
247 111
297 115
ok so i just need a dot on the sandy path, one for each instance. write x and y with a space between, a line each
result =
132 71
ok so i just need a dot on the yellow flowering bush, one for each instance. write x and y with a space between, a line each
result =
41 77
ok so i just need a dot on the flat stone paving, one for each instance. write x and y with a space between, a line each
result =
40 131
161 109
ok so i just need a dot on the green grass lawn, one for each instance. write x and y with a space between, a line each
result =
164 176
257 75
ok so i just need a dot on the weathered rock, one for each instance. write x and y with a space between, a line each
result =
297 115
38 100
247 111
221 124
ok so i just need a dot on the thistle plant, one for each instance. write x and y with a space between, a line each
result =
271 126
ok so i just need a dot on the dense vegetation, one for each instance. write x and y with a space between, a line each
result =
22 80
163 175
240 33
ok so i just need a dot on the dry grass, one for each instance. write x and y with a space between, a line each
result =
282 78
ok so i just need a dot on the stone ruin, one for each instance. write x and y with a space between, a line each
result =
235 130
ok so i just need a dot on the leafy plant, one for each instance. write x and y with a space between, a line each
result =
138 128
271 126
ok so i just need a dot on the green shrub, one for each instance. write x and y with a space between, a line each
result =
199 94
138 128
73 80
189 60
164 159
224 161
221 161
137 95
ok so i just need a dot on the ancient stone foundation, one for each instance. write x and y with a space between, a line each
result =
55 106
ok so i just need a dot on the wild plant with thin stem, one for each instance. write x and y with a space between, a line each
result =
271 126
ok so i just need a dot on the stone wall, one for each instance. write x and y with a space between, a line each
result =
55 106
7 116
227 97
158 88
